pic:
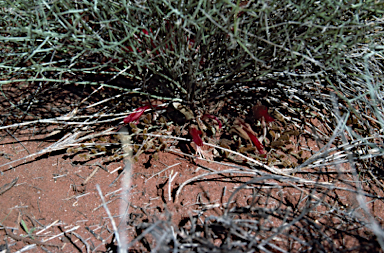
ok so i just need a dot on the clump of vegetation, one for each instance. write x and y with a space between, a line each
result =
317 66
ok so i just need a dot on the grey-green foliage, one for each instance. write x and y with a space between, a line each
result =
230 37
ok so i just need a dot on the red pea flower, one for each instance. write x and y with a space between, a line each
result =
136 114
196 136
255 141
213 117
260 111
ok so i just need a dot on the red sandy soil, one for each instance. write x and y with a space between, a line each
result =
56 197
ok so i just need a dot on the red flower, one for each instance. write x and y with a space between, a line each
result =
136 114
260 111
244 127
196 136
213 117
255 141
